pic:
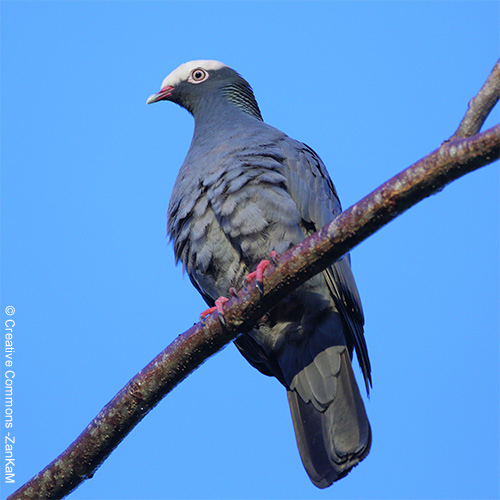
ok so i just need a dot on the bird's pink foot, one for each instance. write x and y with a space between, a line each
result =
259 272
218 307
274 258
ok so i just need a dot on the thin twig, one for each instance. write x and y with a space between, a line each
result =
480 106
452 160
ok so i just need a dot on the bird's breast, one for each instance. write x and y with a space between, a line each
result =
224 222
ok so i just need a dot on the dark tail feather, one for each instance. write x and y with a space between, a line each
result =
332 442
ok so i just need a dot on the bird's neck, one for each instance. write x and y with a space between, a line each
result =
219 118
241 95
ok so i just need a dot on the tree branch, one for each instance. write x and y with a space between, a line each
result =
461 154
480 106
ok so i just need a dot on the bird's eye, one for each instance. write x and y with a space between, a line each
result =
198 75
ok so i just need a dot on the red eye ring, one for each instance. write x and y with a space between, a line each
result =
198 75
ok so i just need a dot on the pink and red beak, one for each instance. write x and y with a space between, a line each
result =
164 93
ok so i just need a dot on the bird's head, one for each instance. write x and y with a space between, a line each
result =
197 82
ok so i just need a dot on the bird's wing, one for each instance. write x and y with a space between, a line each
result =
317 201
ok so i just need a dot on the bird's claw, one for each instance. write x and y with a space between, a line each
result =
274 257
220 311
258 274
205 313
260 286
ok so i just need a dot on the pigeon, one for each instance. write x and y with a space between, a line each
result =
246 190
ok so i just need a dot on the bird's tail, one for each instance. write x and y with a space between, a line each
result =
333 441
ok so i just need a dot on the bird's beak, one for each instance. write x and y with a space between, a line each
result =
164 93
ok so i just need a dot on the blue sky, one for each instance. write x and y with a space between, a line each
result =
87 170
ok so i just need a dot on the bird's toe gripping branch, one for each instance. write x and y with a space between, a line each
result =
258 274
218 307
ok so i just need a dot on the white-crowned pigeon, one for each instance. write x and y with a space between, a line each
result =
245 190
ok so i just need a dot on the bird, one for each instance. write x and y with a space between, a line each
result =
245 191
